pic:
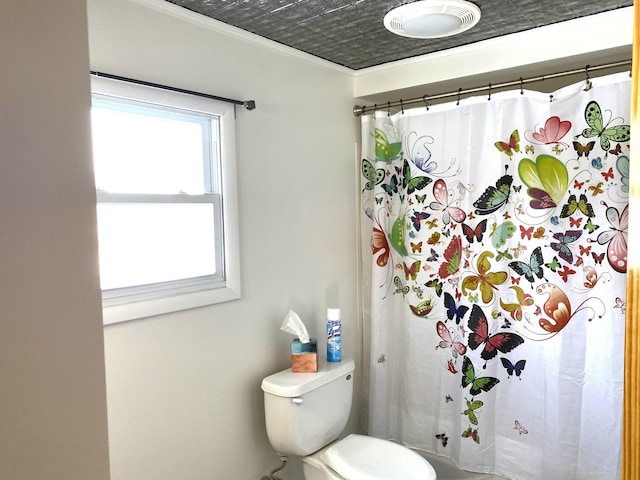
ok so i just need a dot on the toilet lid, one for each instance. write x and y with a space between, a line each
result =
367 458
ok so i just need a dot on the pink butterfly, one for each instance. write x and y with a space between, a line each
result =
521 430
553 131
442 203
608 175
565 272
616 238
526 232
448 341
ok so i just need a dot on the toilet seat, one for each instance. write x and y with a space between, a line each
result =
358 457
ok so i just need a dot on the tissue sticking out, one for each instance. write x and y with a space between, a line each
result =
304 350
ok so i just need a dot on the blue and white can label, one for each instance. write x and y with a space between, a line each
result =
334 350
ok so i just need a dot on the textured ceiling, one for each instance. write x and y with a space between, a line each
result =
351 33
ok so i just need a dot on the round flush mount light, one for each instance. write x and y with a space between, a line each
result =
432 18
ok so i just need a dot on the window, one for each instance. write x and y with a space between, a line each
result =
166 200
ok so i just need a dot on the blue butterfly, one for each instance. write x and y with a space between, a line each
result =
496 197
417 218
511 368
562 247
453 311
531 269
597 163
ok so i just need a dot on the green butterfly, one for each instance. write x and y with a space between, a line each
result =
413 183
400 287
504 254
478 384
554 265
385 151
606 133
573 205
470 411
373 175
591 227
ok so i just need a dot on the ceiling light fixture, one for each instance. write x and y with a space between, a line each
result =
432 18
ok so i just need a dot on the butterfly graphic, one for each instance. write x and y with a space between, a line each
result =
503 254
530 269
598 257
584 250
539 233
386 151
485 279
590 226
578 185
583 150
621 304
419 153
476 233
452 368
478 384
597 128
433 256
596 189
381 359
392 186
412 183
547 179
500 342
452 256
447 340
416 247
562 245
400 287
511 368
436 284
513 144
616 238
522 300
423 309
472 433
417 218
575 222
458 312
554 130
526 232
617 150
470 411
597 163
411 272
379 243
574 205
496 197
443 204
373 175
608 175
557 308
622 165
443 438
521 430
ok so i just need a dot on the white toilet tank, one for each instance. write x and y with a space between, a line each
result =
306 411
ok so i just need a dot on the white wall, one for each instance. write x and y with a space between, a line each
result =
52 388
184 396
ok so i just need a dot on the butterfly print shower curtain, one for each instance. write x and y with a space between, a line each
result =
494 245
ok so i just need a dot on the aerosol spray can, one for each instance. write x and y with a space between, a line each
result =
334 332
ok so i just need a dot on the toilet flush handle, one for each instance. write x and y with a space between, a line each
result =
297 400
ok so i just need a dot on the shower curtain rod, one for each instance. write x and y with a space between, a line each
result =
248 104
361 110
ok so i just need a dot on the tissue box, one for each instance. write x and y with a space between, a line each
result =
304 356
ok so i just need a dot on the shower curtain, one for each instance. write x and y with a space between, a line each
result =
494 246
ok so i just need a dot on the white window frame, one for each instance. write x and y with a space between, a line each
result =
132 303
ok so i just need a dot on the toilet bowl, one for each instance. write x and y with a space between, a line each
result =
306 412
358 457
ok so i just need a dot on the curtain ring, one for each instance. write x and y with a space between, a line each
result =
424 99
401 107
521 86
550 98
588 84
388 109
375 109
459 93
489 99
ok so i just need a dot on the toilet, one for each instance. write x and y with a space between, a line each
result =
306 412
